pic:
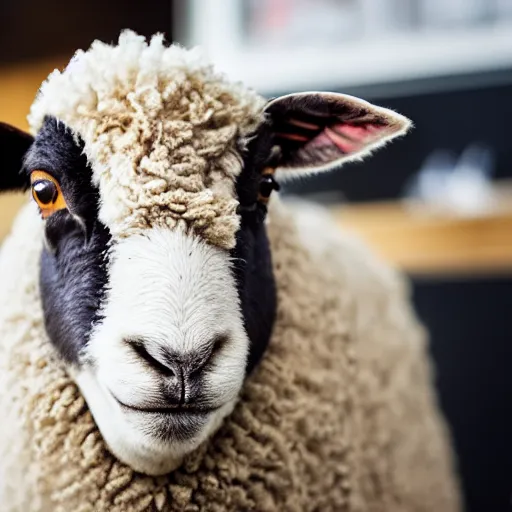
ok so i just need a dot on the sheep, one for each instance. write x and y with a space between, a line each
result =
173 335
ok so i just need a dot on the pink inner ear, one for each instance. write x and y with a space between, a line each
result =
348 138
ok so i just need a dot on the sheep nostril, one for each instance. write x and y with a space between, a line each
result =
163 367
201 362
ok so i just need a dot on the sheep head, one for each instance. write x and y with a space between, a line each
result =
152 174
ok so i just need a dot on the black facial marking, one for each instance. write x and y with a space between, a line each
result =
252 258
73 273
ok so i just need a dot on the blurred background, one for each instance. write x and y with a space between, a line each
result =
437 204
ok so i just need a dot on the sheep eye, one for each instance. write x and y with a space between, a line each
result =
267 185
46 193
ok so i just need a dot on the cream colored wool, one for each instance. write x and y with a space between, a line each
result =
339 415
161 130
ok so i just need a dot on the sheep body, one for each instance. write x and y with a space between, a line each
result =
339 416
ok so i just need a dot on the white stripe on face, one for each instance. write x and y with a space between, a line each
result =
171 341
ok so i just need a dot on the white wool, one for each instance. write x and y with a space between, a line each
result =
16 330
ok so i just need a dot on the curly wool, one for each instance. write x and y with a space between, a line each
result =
162 131
339 416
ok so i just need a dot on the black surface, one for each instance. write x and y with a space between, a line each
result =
31 29
470 322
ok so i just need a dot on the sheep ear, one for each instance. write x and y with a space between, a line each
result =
318 131
14 143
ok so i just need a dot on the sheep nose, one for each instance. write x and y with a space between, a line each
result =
181 373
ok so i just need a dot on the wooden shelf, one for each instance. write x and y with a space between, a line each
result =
421 241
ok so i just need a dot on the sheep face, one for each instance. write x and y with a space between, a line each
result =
158 328
152 176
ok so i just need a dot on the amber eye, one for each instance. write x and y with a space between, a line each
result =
47 193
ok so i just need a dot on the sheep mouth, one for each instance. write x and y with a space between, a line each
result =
171 424
177 410
178 424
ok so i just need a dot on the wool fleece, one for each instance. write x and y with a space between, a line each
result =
162 130
339 416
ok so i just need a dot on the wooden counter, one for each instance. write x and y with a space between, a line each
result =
422 241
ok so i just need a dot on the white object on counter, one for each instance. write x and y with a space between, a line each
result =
462 186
